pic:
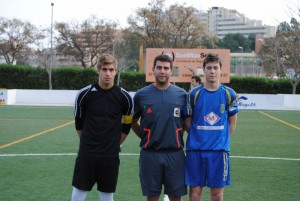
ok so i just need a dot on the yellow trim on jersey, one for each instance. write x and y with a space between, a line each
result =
228 96
196 97
227 93
127 119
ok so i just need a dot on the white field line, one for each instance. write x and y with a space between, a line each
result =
136 154
266 158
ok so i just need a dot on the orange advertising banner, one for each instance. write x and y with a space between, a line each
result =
187 62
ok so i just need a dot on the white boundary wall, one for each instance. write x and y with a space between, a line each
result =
269 101
40 97
67 98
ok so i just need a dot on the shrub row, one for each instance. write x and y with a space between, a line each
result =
74 78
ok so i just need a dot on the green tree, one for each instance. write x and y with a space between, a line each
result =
235 42
251 40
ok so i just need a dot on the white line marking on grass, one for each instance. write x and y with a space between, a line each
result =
137 154
129 154
58 154
50 154
266 158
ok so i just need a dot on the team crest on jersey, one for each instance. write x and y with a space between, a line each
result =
222 108
212 118
176 112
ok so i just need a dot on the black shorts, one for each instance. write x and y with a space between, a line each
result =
162 168
103 171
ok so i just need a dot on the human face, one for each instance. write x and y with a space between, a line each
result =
212 72
162 72
107 75
194 83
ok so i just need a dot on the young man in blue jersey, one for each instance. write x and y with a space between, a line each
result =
103 115
160 106
213 109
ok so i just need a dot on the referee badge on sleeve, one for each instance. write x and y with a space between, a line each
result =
176 112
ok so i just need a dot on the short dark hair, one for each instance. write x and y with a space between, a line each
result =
163 57
212 58
197 78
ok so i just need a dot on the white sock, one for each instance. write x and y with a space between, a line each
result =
78 195
166 198
106 196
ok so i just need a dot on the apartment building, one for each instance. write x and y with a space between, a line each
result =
221 21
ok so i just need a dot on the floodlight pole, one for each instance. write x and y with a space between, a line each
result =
51 49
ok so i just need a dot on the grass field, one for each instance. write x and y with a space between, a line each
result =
38 147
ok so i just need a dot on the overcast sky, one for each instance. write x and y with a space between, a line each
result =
38 12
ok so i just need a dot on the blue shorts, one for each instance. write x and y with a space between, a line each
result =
207 168
162 168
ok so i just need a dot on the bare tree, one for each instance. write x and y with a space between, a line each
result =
290 42
176 27
148 24
282 54
85 41
15 36
184 27
270 56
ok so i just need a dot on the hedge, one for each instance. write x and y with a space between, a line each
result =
74 78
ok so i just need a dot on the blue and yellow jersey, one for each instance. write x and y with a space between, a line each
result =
210 112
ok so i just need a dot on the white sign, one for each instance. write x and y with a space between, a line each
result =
261 101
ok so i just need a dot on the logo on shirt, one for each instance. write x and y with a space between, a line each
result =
176 112
212 118
149 110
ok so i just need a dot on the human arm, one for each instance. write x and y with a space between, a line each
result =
136 117
78 133
127 115
233 109
78 112
232 123
123 137
187 124
126 126
187 113
78 126
136 127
